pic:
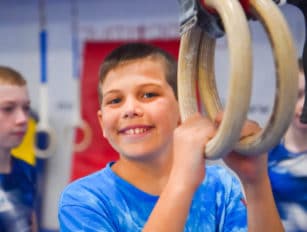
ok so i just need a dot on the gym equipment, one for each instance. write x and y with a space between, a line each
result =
45 135
201 24
77 120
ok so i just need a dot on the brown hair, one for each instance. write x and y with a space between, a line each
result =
134 51
11 76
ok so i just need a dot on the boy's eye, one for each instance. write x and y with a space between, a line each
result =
11 109
149 95
8 109
114 101
26 109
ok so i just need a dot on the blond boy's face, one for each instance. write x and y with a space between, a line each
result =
139 110
14 114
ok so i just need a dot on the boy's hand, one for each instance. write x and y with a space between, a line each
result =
250 169
190 139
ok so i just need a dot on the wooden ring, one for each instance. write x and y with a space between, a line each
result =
191 44
87 137
286 82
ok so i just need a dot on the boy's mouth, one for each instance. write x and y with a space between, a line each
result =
135 130
19 133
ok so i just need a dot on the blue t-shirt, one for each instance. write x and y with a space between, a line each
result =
288 174
17 194
105 202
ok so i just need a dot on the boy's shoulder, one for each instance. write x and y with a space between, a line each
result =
88 181
87 186
19 161
21 167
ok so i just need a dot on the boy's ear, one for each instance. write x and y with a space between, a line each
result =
100 120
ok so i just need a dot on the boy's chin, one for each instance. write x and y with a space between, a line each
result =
15 144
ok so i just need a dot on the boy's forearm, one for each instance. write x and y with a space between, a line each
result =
171 210
262 211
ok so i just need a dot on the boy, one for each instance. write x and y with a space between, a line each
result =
160 182
17 178
288 168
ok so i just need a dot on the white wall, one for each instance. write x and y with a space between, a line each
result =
101 20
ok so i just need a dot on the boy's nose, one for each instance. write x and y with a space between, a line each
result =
132 108
21 116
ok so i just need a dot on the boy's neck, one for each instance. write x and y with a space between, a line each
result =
5 163
148 179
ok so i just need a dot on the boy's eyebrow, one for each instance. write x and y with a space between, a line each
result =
14 102
110 91
152 84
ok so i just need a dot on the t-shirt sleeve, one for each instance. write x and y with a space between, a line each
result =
235 210
83 211
78 218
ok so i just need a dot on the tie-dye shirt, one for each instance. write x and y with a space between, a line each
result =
17 197
105 202
288 174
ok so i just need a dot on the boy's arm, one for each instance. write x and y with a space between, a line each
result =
253 173
168 216
188 171
171 210
262 212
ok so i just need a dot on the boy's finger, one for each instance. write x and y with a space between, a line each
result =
249 128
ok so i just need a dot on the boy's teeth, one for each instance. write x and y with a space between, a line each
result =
135 131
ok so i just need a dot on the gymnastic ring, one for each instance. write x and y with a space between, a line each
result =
287 73
286 82
235 113
87 137
49 139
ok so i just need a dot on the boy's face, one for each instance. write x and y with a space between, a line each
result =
139 111
14 113
299 104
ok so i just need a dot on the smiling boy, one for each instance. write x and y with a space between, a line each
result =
161 181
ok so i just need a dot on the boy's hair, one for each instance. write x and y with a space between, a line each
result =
11 77
134 51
